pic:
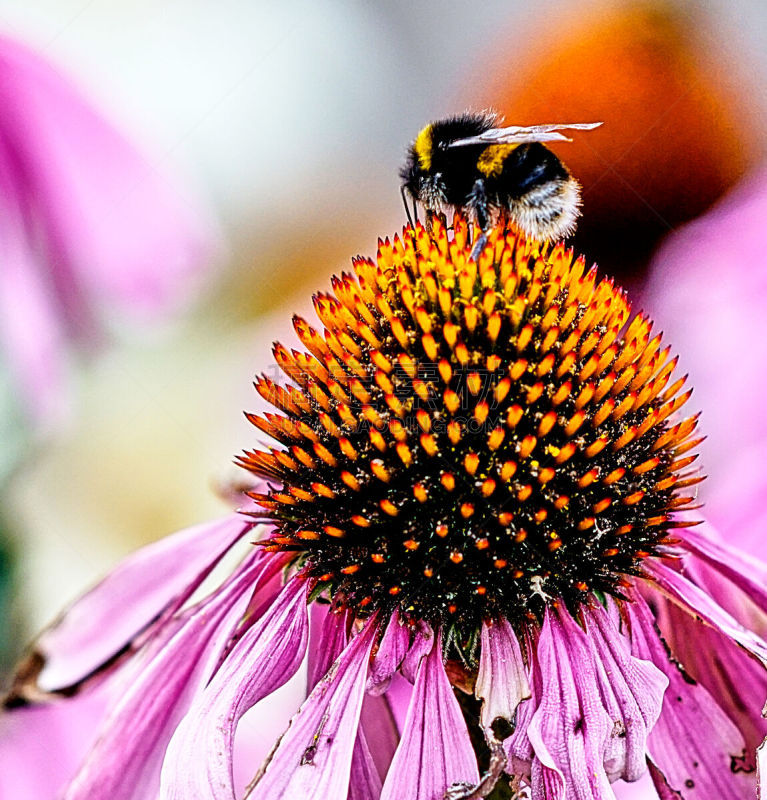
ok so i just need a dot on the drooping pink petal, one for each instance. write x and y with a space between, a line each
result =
314 756
379 727
570 729
328 635
660 784
632 692
125 762
268 590
502 679
694 745
546 781
423 641
698 603
377 732
41 747
748 574
519 751
737 681
398 697
105 620
391 651
435 751
364 780
641 789
198 762
723 591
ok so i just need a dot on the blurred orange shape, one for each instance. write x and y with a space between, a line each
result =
676 132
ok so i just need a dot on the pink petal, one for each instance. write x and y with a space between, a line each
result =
632 693
642 789
105 620
502 679
698 603
423 640
378 725
314 756
747 573
364 780
738 682
126 760
398 697
435 751
391 651
328 636
723 591
377 733
694 744
546 781
41 747
198 762
570 729
269 589
518 748
662 788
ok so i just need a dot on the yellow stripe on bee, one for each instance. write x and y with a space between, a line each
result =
490 161
423 148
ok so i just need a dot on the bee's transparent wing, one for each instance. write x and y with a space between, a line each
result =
515 134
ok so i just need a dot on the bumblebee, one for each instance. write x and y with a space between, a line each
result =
469 163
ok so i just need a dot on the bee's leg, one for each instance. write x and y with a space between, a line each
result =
478 204
479 245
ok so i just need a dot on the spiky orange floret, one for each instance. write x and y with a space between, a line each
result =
465 438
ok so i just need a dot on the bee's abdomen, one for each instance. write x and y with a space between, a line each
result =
527 167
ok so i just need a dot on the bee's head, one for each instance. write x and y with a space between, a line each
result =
434 140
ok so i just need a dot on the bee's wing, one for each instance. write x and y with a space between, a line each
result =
515 134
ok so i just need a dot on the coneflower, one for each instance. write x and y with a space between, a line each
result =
470 439
476 480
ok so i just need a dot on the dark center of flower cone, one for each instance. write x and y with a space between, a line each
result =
466 439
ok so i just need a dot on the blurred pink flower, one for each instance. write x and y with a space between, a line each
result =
707 291
88 227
